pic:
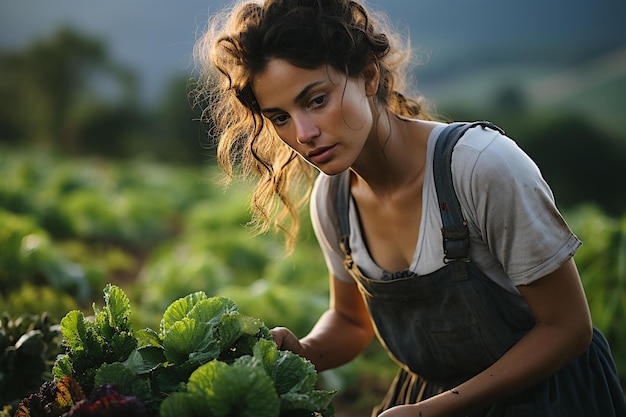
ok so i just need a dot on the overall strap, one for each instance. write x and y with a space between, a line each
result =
342 184
455 231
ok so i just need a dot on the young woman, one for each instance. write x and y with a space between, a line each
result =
488 319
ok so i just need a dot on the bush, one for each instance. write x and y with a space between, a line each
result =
602 264
29 345
28 255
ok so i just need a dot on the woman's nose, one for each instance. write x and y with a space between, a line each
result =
306 130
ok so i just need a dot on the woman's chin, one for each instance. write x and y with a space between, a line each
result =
330 169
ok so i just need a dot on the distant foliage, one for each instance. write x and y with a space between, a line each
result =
580 162
58 103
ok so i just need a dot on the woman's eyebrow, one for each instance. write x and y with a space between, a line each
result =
298 98
306 90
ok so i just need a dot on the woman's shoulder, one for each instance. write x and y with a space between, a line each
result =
484 151
480 139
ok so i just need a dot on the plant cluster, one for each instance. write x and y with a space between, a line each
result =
206 359
28 348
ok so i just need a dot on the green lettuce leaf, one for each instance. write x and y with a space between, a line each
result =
317 400
62 367
126 381
185 404
117 308
145 359
189 339
233 326
291 373
241 389
148 337
179 310
212 309
74 331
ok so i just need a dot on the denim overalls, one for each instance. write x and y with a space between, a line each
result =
447 326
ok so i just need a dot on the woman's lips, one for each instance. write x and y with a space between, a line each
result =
321 155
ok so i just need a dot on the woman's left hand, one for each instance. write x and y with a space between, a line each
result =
403 411
442 405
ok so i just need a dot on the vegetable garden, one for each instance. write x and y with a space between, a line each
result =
169 242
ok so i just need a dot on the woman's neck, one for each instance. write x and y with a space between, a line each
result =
394 156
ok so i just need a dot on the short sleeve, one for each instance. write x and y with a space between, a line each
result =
511 207
324 221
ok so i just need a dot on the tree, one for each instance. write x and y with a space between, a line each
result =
182 135
581 162
48 83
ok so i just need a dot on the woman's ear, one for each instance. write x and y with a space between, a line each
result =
371 75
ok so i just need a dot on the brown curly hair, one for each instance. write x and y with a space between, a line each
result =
307 33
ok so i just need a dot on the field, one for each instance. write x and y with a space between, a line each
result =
68 227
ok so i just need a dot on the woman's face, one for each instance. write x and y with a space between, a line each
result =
321 113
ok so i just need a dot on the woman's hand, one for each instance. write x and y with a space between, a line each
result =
402 411
286 340
443 405
340 334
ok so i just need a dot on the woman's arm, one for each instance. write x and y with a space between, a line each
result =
340 334
562 332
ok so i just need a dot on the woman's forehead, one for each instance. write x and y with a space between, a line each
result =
280 80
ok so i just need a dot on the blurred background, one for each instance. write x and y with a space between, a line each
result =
106 176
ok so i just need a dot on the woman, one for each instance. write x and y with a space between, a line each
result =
491 319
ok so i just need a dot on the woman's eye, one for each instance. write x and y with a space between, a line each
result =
317 101
280 119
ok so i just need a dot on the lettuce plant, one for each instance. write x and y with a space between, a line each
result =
206 359
108 338
267 384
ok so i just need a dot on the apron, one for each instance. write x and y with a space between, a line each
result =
445 327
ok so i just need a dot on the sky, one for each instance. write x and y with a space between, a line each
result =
156 37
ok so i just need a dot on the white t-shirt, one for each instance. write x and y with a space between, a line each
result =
517 234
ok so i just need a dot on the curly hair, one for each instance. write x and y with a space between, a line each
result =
237 46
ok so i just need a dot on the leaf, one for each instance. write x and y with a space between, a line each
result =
233 326
242 389
31 343
148 337
126 381
120 345
294 379
242 347
179 310
68 392
230 329
145 359
62 367
188 336
106 400
171 378
212 309
53 399
291 373
185 404
114 317
316 400
74 331
117 306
